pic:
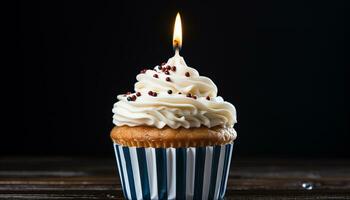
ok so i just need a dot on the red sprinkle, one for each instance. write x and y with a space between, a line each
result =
173 68
155 75
152 93
167 79
138 94
208 98
187 74
133 98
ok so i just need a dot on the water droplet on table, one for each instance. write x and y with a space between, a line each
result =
110 196
307 186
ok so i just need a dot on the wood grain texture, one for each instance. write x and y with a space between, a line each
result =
96 178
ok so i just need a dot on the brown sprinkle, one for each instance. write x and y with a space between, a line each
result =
187 74
151 93
168 79
179 93
133 98
173 68
168 67
167 72
189 95
194 97
155 75
170 91
138 94
208 98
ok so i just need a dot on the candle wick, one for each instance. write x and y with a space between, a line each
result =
177 51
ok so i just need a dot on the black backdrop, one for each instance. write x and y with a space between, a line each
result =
281 63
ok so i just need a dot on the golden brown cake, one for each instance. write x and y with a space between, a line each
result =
146 136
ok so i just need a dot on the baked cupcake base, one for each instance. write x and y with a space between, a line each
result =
146 136
173 163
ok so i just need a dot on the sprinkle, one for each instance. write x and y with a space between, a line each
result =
160 67
167 79
170 91
129 98
133 98
138 94
189 95
187 74
155 75
173 68
168 67
194 97
143 71
152 93
179 93
167 72
208 98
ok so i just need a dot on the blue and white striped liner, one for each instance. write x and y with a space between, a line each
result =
174 173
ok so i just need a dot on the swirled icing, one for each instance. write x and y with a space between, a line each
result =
183 99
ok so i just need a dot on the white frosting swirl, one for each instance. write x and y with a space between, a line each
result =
176 109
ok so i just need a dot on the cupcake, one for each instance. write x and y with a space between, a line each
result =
173 136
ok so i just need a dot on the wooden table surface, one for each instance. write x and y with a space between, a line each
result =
96 178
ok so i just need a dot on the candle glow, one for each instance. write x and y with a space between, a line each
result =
177 36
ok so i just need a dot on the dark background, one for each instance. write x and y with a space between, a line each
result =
281 63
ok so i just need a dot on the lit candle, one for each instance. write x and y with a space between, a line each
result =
177 36
177 60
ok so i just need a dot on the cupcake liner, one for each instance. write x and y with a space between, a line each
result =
174 173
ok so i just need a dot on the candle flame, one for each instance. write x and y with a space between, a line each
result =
177 36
